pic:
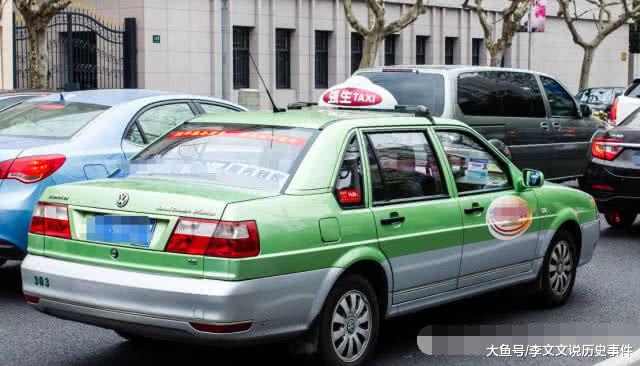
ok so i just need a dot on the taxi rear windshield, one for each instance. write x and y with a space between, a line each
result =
47 119
411 88
243 156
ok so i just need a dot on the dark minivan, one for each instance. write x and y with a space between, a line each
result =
530 115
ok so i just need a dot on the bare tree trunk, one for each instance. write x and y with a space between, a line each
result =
38 56
587 60
370 50
495 56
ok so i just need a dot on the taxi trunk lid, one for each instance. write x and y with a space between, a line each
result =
160 201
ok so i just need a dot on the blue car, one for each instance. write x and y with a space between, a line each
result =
76 136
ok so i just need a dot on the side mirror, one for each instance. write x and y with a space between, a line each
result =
585 110
532 178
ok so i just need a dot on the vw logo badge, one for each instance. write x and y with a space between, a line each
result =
114 253
123 199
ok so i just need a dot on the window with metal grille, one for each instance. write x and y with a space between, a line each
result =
421 50
241 57
283 58
322 59
357 44
449 50
476 45
390 49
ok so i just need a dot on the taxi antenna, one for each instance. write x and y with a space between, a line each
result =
276 109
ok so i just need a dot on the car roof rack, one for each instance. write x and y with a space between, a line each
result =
417 110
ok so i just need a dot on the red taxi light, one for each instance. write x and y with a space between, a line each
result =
225 239
51 219
32 299
31 169
605 149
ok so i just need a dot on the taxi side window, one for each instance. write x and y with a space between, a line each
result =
349 189
474 166
403 165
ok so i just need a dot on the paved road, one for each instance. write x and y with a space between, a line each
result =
606 290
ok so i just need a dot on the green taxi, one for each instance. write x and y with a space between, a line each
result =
245 227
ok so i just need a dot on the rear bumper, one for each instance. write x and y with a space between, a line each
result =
160 306
611 191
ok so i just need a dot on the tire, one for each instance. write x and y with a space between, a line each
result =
620 219
340 302
555 281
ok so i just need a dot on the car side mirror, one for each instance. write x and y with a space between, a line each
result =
532 178
585 110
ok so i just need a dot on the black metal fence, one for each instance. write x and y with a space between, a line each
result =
84 52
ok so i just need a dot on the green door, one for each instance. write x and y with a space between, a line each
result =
500 225
418 223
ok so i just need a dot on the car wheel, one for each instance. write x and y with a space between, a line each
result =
620 219
558 273
349 323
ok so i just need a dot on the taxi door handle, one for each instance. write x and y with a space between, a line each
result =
555 125
392 220
475 207
544 126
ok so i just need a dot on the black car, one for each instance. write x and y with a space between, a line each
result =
613 173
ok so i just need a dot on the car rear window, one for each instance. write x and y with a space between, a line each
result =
243 156
47 119
411 88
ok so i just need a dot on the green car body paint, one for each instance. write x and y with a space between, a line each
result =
256 218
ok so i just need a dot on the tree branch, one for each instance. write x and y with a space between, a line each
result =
351 18
406 18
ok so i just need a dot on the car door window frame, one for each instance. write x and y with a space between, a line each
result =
141 111
506 166
364 167
365 141
199 102
550 114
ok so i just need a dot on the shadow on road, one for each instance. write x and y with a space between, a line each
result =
10 281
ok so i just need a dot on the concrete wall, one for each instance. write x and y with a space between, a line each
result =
189 56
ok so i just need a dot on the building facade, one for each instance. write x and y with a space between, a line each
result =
303 46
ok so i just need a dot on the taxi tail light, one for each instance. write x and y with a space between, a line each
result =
226 239
32 299
222 328
605 149
31 169
613 114
51 219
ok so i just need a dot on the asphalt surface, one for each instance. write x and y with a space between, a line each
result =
606 290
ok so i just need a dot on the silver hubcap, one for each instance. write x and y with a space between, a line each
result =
560 267
351 326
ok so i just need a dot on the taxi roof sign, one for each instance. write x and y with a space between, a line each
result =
358 92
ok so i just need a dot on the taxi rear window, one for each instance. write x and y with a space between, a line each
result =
411 88
244 156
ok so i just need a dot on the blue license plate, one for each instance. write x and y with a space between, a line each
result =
137 230
636 158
